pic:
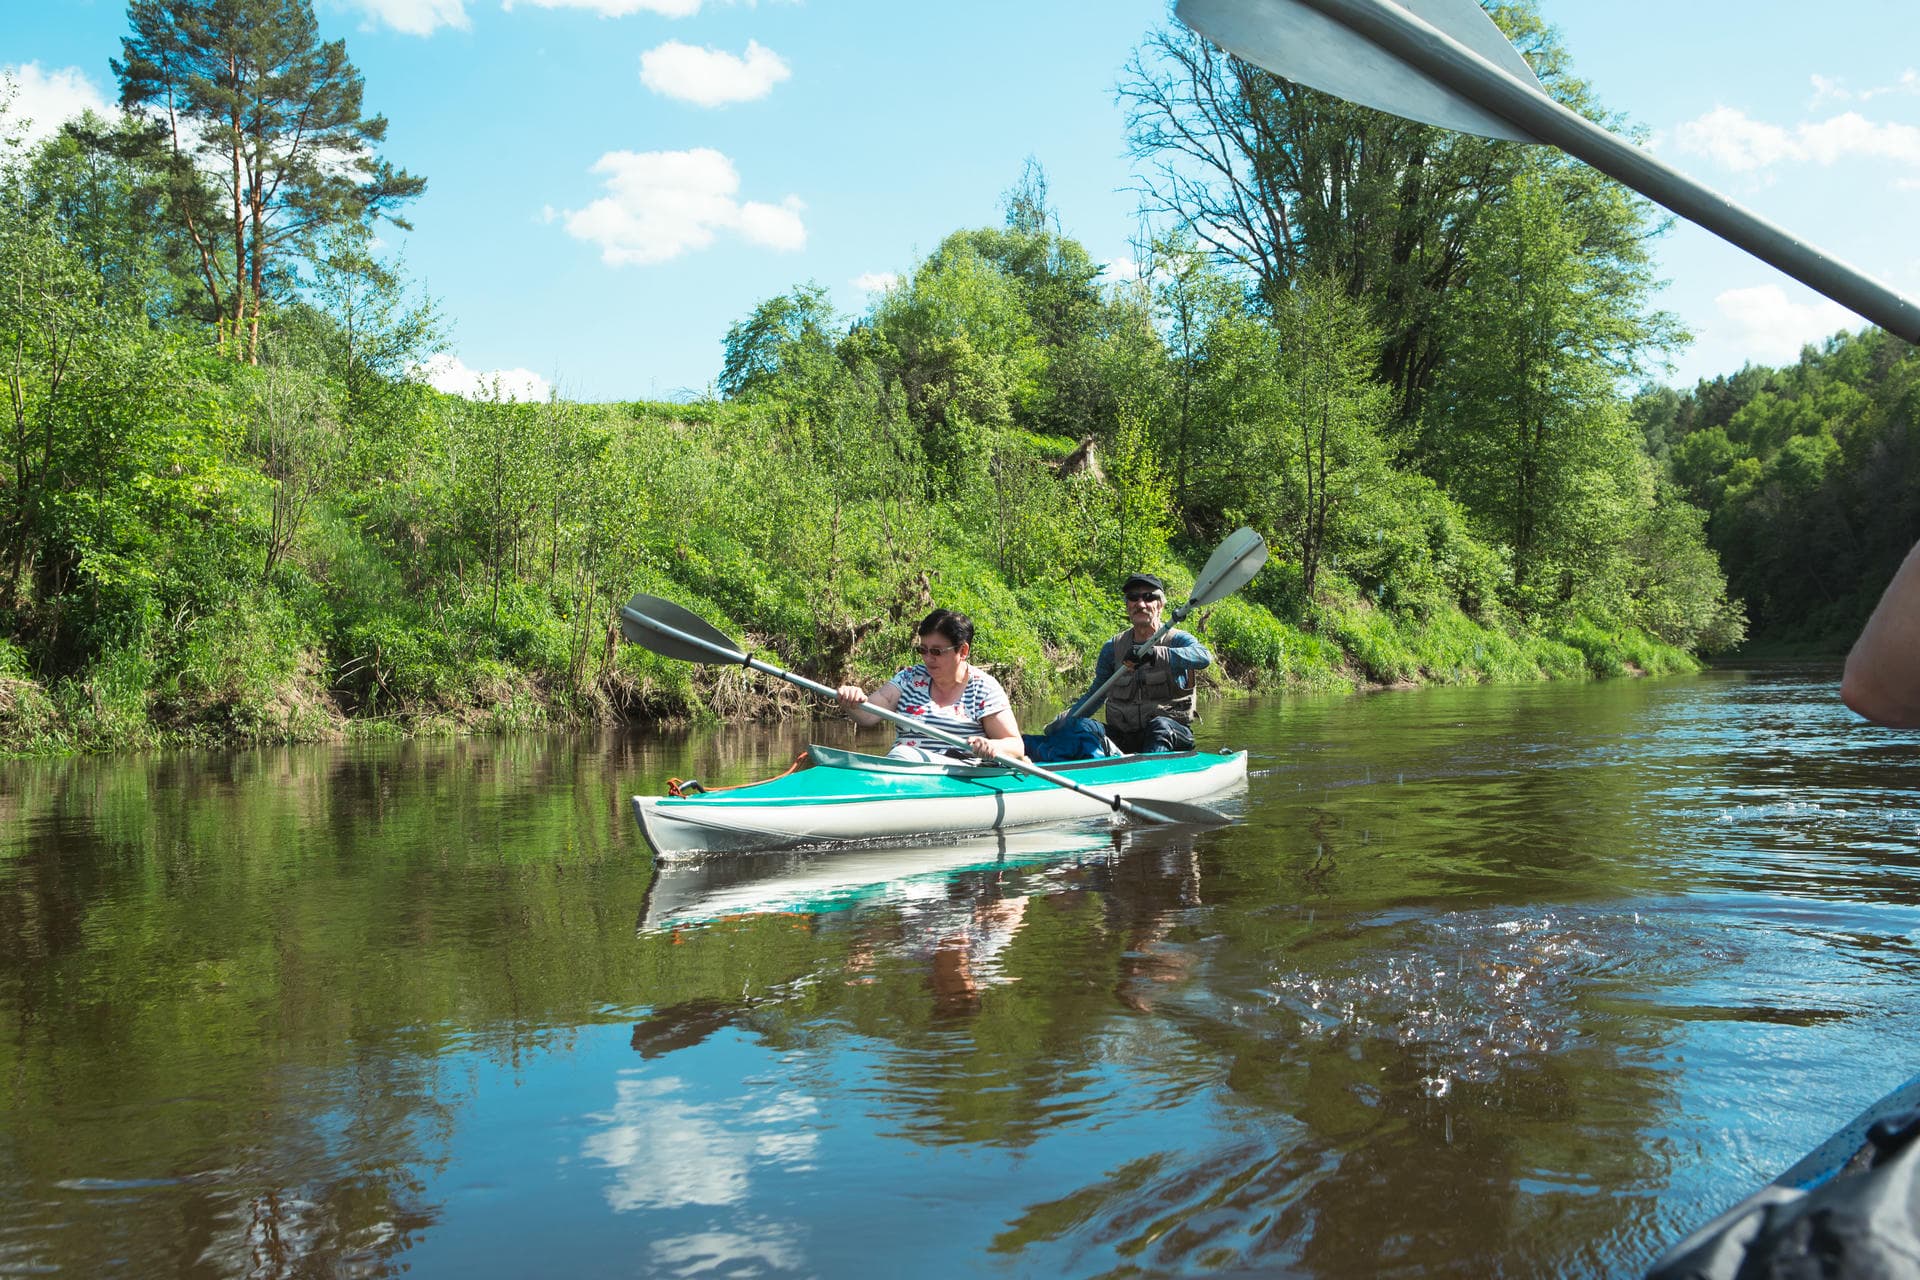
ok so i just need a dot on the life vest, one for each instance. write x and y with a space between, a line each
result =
1139 695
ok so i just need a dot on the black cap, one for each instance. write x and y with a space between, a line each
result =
1139 580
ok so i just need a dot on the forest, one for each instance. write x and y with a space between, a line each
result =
1420 364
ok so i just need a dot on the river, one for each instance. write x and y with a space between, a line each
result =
1503 980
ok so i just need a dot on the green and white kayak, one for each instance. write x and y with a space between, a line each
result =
849 798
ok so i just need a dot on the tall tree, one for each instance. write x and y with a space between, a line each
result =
1335 420
244 97
782 332
957 342
1527 426
1190 293
1286 183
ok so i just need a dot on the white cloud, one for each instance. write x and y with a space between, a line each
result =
711 77
417 17
1827 88
661 204
1121 270
448 373
617 8
1772 328
876 281
46 100
666 1150
1735 140
769 1246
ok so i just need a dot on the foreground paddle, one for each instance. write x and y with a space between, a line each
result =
674 632
1443 62
1230 567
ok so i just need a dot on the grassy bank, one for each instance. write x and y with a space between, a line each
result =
353 636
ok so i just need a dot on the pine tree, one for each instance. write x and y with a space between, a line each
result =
260 125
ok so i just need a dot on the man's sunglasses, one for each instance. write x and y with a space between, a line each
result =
1135 597
934 650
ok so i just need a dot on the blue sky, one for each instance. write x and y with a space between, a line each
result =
611 183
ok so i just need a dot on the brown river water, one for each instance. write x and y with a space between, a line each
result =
1521 981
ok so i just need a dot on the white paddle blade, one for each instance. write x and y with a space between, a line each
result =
673 632
1292 38
1230 567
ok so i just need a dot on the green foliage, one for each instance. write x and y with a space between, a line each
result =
106 709
1331 444
782 335
1810 476
1678 594
199 550
1251 640
249 673
1381 645
1529 434
1618 651
1455 648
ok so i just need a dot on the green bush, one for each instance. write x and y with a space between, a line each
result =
1376 640
1621 651
1249 639
105 707
250 673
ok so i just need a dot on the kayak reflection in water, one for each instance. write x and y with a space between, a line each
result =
945 691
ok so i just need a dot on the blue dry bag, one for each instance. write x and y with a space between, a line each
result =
1080 738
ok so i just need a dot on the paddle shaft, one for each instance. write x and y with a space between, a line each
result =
1115 803
1479 81
1091 703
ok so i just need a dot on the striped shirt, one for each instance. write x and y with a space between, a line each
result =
981 697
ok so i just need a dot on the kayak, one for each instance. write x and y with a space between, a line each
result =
819 882
1847 1208
845 797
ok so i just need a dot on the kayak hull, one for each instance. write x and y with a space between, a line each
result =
848 798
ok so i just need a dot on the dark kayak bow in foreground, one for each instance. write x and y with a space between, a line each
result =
1847 1210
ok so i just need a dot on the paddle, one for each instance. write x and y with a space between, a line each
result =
674 632
1449 66
1230 567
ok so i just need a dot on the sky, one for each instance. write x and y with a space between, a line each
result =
612 183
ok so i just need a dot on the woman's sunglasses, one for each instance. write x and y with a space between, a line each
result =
934 650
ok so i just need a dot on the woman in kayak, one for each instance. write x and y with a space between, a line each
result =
944 691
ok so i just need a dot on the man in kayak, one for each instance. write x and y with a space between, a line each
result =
1150 706
944 691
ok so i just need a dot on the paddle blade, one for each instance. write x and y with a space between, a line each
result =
1173 813
1230 567
673 632
1294 39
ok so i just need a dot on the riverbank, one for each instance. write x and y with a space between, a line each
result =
252 685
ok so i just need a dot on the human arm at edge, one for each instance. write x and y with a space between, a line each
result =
1882 678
